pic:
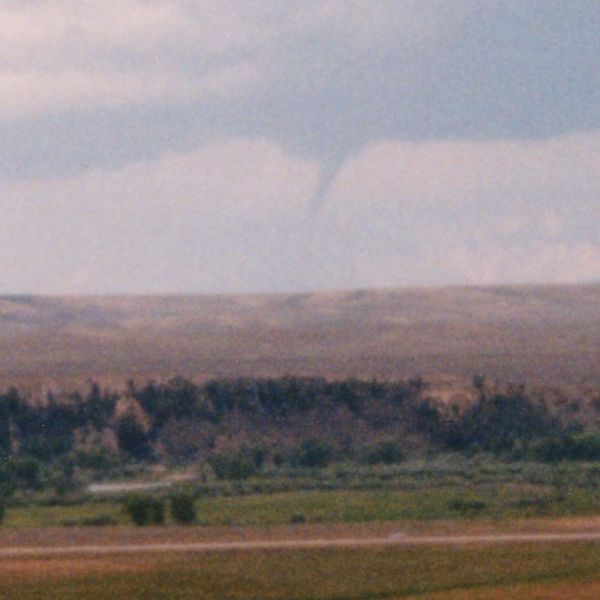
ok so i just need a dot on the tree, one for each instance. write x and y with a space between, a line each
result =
132 437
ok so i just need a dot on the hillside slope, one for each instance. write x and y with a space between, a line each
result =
542 334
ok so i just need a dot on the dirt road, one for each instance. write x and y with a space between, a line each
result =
397 539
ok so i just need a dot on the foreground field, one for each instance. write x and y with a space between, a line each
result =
565 570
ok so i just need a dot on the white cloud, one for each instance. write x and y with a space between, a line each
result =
226 217
464 212
34 93
536 263
112 24
392 177
234 216
57 56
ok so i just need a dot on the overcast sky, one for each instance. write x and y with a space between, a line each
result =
287 145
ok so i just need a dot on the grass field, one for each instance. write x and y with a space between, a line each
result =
417 492
522 571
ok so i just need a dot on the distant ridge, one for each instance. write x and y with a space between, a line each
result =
544 334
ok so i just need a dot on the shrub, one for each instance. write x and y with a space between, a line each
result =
258 455
388 453
145 510
27 473
96 458
183 509
234 465
494 423
567 447
466 506
313 453
99 521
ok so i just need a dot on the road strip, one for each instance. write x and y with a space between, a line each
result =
204 547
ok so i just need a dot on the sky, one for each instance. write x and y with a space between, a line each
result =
230 146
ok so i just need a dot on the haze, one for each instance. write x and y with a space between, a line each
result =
176 147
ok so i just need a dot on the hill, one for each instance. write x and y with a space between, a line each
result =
539 334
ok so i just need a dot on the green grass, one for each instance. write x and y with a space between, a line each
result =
333 574
36 515
339 506
448 487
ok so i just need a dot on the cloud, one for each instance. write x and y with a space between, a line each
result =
124 82
26 27
395 176
463 212
540 262
173 145
57 56
365 24
235 216
227 217
33 94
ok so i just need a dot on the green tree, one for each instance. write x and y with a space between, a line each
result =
132 438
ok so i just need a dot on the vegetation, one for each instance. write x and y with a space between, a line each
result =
515 572
278 435
567 447
443 487
183 508
145 510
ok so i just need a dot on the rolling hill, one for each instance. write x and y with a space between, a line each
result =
539 334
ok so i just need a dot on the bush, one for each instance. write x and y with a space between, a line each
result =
183 509
27 473
2 510
388 453
495 423
97 458
567 447
234 465
145 510
466 506
313 453
99 521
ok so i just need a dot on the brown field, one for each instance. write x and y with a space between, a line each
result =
498 571
542 335
64 536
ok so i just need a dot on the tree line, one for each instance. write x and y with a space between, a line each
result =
239 426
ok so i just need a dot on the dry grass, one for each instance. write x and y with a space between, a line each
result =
538 334
519 571
589 590
61 536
